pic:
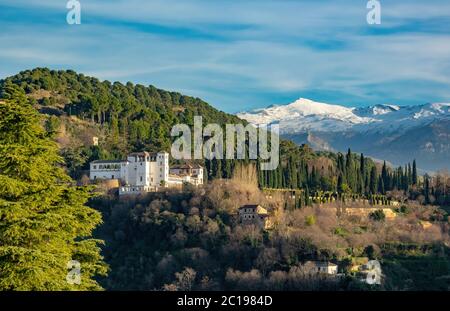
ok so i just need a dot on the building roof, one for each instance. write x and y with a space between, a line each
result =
258 208
181 166
249 206
142 153
108 161
186 166
133 154
323 263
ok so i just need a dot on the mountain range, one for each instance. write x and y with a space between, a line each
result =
395 133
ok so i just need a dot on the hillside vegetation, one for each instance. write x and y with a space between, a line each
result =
192 240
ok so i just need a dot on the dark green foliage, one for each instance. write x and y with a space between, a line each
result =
378 215
43 220
143 115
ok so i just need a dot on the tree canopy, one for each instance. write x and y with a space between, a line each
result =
44 222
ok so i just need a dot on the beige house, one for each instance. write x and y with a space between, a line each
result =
186 173
254 215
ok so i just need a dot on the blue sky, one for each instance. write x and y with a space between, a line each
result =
242 54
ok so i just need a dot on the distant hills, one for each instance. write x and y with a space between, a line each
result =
394 133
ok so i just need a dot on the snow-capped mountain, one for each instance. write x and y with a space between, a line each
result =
378 130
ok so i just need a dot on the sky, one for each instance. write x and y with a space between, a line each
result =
242 54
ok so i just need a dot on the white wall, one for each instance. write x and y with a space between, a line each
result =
99 171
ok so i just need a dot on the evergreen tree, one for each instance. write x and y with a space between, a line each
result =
44 222
362 174
350 171
384 177
373 180
427 190
410 178
414 173
307 198
340 184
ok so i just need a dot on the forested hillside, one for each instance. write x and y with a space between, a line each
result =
143 116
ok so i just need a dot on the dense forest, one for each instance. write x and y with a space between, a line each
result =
190 239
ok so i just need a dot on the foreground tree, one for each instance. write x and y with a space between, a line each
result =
44 223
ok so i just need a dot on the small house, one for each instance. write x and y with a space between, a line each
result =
254 215
321 267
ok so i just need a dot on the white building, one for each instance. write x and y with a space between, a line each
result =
105 169
321 267
142 172
186 173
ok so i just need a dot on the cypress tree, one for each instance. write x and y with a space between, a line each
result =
381 187
427 190
350 171
340 184
384 176
44 223
362 174
373 180
307 199
410 178
414 173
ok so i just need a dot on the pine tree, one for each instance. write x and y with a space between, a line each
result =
44 222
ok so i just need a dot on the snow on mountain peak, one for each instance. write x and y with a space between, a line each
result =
384 109
440 107
305 115
306 110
